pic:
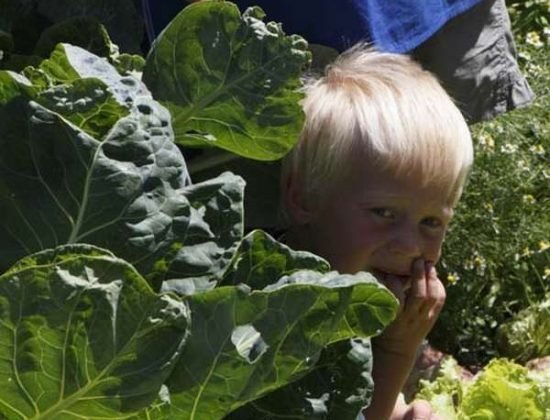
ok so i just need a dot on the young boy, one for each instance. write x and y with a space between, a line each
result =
371 185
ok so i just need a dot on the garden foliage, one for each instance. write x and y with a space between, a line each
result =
503 390
497 252
526 335
128 290
30 29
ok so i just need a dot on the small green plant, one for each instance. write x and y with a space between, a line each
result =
503 390
525 336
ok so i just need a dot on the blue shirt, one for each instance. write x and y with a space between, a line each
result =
392 25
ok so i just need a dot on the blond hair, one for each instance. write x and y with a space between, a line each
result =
389 111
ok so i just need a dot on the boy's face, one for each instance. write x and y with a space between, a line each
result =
379 222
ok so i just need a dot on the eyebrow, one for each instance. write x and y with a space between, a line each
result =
447 209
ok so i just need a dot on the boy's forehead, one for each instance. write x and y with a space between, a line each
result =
367 181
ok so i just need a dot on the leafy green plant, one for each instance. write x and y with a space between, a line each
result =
235 89
30 29
503 390
129 291
525 336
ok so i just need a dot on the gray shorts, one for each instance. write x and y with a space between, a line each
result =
474 57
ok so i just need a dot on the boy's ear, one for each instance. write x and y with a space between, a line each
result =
295 202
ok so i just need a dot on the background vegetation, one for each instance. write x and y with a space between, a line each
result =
497 256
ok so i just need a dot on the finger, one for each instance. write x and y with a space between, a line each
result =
431 279
435 290
440 300
396 286
417 294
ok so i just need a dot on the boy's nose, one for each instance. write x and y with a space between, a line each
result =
407 242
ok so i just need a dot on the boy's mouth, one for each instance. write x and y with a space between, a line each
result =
384 278
382 275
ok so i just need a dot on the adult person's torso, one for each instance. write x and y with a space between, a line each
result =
392 25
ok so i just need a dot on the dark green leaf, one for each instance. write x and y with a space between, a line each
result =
87 104
92 160
69 63
81 31
59 185
261 261
338 387
214 231
55 70
262 205
247 343
128 64
13 85
121 18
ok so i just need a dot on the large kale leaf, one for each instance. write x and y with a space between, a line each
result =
88 156
229 80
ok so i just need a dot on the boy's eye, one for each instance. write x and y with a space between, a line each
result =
432 222
382 212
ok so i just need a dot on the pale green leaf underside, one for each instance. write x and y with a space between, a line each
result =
229 80
83 336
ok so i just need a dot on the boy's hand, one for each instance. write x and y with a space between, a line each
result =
421 301
417 410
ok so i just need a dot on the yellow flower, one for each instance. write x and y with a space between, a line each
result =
543 246
480 264
546 273
529 199
452 278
